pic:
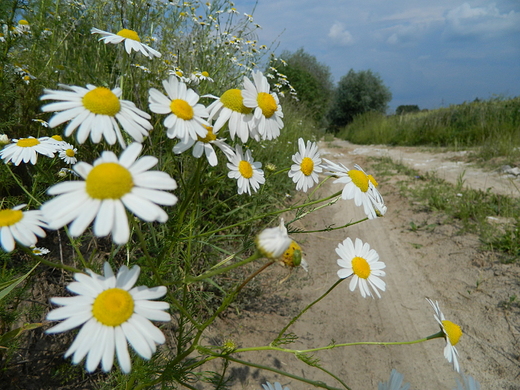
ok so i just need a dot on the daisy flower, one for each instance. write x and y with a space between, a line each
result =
394 383
358 186
273 242
22 226
267 110
307 165
245 170
468 383
131 40
204 146
451 332
26 150
39 251
363 263
292 257
4 139
185 115
110 313
197 76
276 386
67 153
109 186
94 111
230 108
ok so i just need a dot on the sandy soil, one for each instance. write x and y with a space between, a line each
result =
435 262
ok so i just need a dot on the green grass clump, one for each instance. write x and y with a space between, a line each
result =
474 210
493 125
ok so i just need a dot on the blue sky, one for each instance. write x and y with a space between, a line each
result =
428 53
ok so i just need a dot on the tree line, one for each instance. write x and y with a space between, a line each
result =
333 107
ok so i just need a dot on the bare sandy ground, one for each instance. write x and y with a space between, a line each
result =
436 262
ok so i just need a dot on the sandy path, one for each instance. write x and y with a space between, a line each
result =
448 166
432 263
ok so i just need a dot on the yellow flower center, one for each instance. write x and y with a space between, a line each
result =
361 267
292 257
245 169
267 103
182 109
27 142
113 307
233 100
359 178
453 331
70 153
129 34
57 138
101 101
307 166
205 74
24 22
109 181
36 251
372 180
208 138
10 217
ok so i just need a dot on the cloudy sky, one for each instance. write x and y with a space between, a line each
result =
428 53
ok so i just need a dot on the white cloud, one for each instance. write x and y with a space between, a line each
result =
483 22
338 34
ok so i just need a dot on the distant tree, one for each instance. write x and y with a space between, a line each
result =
357 93
311 79
406 109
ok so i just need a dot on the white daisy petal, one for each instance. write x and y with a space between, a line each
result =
95 112
107 328
307 165
186 117
360 261
110 185
245 170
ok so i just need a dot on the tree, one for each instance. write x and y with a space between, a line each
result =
357 93
311 79
406 109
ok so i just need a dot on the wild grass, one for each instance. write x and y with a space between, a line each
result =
205 227
492 125
495 218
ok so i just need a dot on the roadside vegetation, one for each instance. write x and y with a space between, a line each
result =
491 126
494 218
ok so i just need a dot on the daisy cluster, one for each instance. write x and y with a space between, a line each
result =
114 190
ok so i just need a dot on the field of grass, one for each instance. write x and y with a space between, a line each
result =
493 126
198 250
495 218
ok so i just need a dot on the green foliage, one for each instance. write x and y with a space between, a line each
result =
493 124
474 210
356 94
406 109
311 79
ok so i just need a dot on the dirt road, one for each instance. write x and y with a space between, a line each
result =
437 263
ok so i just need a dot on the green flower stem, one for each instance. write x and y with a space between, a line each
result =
332 346
156 273
328 229
270 214
76 249
49 263
304 310
218 271
280 171
266 265
319 186
267 368
22 186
